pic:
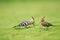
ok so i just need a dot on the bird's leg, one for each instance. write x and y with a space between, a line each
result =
33 25
26 26
46 28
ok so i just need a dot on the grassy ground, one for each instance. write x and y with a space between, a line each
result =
12 13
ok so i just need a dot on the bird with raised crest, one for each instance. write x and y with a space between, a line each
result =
26 23
44 23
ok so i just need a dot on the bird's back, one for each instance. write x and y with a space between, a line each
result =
44 23
24 23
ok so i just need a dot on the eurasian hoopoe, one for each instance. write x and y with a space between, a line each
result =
44 23
26 23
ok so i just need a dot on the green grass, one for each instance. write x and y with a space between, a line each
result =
12 13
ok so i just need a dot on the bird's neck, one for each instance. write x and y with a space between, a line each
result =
32 20
42 20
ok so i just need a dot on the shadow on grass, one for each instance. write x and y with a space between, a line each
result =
20 28
49 28
55 27
41 28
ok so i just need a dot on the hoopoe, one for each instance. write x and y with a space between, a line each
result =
26 23
44 23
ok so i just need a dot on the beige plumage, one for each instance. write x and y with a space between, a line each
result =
44 23
26 23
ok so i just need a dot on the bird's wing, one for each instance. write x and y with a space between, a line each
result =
49 24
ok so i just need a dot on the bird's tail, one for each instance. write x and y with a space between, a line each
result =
16 26
54 25
50 24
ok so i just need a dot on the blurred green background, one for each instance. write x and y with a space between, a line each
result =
12 12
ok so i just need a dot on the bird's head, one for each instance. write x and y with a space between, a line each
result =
43 17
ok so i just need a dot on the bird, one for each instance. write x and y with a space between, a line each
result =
45 23
26 23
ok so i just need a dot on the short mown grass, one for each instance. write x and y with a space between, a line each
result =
12 13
